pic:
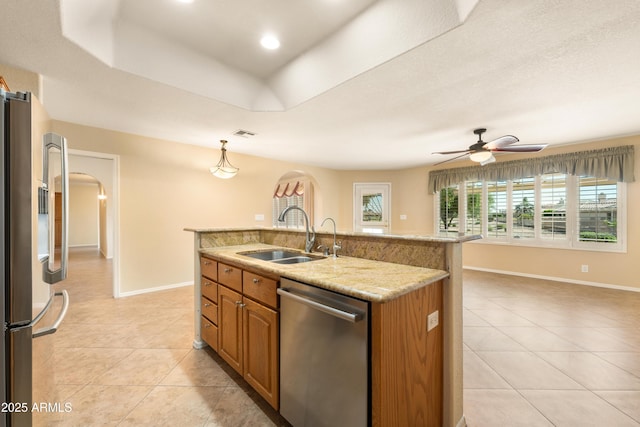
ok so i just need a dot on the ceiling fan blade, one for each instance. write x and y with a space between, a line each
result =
453 158
452 152
503 141
520 148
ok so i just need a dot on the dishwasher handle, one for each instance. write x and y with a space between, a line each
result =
336 312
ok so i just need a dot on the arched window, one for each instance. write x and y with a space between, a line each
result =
293 189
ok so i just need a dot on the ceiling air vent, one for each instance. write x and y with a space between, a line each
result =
243 133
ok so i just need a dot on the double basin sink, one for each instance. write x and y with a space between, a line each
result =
281 256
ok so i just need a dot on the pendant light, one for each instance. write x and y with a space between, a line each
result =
224 169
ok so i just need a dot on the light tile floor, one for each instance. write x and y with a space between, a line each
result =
536 353
542 353
130 361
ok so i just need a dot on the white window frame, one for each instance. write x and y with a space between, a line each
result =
373 227
572 240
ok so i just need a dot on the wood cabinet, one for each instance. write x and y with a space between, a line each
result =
230 331
209 302
260 342
247 327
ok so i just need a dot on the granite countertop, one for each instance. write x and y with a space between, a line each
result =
369 280
440 237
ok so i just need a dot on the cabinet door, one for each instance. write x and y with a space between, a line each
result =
230 327
260 332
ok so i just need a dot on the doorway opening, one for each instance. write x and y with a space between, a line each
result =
93 209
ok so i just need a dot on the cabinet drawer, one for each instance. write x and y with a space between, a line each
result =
209 268
209 333
209 310
230 276
260 288
209 289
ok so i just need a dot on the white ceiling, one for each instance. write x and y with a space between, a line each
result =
359 84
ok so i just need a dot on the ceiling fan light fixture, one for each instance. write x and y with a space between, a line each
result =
224 169
489 160
481 156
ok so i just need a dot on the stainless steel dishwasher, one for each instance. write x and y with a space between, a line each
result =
324 357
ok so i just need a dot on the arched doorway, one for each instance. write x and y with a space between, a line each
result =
98 172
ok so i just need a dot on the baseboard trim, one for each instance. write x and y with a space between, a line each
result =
155 289
199 345
555 279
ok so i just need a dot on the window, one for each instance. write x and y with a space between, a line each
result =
597 210
371 207
448 212
294 219
473 210
497 213
551 210
292 191
553 196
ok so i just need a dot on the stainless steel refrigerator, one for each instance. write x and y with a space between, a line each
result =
34 244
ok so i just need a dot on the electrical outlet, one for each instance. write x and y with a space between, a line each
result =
403 217
585 268
432 320
259 217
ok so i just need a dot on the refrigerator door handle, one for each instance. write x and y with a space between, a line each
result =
63 312
53 141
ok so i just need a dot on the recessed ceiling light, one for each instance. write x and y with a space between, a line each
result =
269 41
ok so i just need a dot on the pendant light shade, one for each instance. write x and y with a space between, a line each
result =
224 169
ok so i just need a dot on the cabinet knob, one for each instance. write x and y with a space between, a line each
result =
206 304
207 283
227 270
207 263
206 325
256 280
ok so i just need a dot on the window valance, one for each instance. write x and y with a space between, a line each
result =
288 189
613 163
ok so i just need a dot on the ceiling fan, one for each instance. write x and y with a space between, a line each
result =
482 152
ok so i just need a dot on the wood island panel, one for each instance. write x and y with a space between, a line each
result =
406 360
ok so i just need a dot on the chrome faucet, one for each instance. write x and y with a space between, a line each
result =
336 247
310 238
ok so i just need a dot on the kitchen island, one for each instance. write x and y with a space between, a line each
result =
405 278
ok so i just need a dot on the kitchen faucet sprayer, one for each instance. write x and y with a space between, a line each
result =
310 238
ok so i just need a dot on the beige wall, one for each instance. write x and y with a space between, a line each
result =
409 196
616 269
22 81
167 186
83 214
